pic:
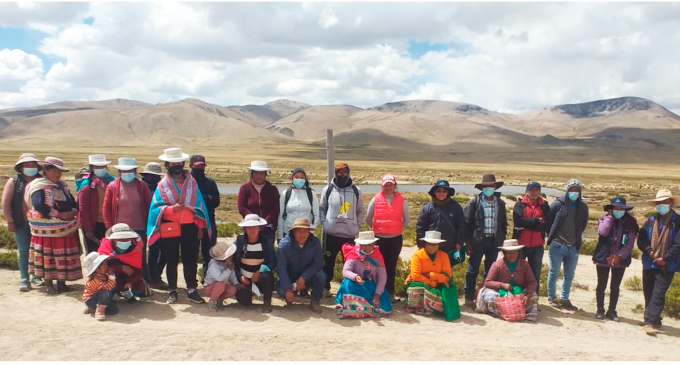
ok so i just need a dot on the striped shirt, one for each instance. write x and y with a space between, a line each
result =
490 208
97 283
252 259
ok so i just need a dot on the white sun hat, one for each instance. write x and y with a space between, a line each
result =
258 166
120 231
511 245
252 220
92 262
365 238
433 237
126 163
173 155
98 160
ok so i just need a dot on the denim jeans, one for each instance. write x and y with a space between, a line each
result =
490 253
316 282
23 239
102 297
534 255
559 254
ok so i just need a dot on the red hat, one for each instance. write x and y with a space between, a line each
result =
388 178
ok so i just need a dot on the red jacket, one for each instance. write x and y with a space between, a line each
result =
88 203
110 210
264 204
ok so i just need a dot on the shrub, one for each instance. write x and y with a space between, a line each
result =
403 268
673 299
588 247
459 277
638 309
543 283
512 197
635 253
228 229
9 260
580 286
6 238
634 283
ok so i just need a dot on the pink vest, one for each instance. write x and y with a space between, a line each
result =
387 218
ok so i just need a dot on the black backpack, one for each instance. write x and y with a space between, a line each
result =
354 188
310 196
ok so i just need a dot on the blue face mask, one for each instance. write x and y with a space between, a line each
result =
573 195
30 171
488 191
123 245
663 209
100 172
618 214
127 176
299 183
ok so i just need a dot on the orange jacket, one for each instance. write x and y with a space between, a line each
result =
440 270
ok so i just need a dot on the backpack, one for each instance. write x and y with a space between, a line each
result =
309 196
354 188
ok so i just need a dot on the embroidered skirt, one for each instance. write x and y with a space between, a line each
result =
356 301
55 258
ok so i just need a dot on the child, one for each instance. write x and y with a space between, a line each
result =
97 289
220 280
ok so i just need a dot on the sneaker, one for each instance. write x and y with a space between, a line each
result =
566 304
600 314
36 281
649 329
611 315
316 307
100 312
554 302
172 297
195 298
159 285
470 303
24 287
212 306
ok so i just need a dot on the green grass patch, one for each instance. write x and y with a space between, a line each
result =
634 283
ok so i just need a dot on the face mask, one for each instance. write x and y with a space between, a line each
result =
100 172
30 171
123 245
618 214
299 183
365 253
175 170
152 179
198 173
341 181
573 195
127 176
663 209
488 191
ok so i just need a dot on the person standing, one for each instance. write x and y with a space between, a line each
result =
444 215
151 176
341 212
487 227
388 215
259 196
91 201
211 196
14 209
297 201
177 220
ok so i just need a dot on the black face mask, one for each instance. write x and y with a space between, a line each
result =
341 181
151 179
198 173
176 170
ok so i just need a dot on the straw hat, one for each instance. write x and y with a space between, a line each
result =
252 220
92 262
222 251
126 163
26 157
662 195
433 237
56 162
365 238
173 155
98 160
258 166
301 223
121 231
153 168
511 245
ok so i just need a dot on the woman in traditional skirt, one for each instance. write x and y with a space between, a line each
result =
430 282
362 291
54 252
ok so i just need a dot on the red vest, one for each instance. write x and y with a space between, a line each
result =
530 238
387 218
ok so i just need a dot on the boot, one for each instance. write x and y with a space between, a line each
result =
62 288
600 313
267 306
49 287
100 312
611 315
316 307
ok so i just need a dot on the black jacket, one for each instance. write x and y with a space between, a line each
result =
211 195
267 250
431 219
474 216
558 211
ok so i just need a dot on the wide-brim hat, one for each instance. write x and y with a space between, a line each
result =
662 195
489 180
301 223
618 202
56 162
252 220
126 163
92 262
98 160
26 157
258 166
511 245
433 237
120 231
222 251
365 238
441 184
173 155
153 168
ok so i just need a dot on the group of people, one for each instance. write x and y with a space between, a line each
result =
171 216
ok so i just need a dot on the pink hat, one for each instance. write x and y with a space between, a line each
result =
56 162
388 178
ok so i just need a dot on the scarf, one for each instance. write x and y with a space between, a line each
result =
660 240
168 194
441 203
132 257
353 253
47 226
39 184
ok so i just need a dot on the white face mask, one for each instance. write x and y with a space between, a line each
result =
123 245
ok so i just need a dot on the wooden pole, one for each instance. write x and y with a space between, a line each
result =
330 155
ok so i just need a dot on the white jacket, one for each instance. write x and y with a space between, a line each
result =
298 207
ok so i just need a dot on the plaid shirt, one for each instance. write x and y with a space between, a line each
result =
490 211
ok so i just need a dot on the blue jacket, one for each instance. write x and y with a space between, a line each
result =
672 256
293 261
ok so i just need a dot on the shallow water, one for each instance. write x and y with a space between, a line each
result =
407 188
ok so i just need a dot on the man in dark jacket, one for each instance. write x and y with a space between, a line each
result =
531 215
569 216
211 195
442 214
299 264
487 227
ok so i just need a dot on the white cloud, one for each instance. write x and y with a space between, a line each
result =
327 18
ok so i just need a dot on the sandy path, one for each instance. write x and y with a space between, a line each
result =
37 327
